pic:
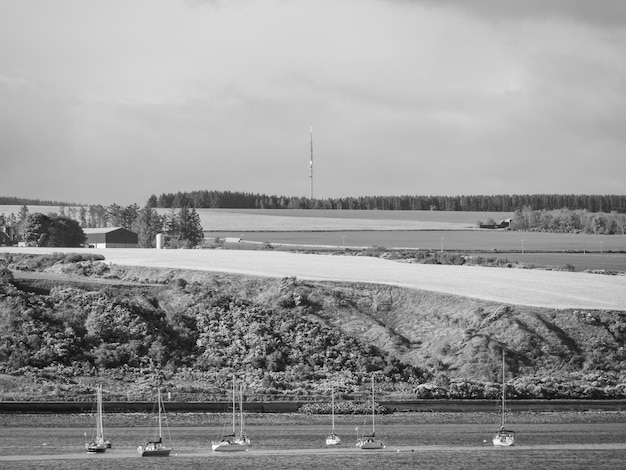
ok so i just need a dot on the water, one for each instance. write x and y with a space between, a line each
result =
298 446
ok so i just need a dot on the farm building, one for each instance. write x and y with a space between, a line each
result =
7 236
502 224
111 237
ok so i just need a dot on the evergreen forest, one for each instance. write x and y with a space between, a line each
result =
483 203
213 199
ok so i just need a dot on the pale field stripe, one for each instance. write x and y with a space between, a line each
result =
225 220
231 222
531 287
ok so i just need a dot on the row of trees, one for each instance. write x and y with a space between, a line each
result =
20 201
243 200
182 226
51 230
493 203
569 221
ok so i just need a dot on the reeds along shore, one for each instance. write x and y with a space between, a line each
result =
281 407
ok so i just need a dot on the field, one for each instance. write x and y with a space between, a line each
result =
454 231
389 229
538 288
430 230
333 220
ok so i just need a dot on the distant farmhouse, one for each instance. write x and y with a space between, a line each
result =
7 236
502 224
111 237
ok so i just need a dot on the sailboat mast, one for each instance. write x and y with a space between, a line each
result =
159 412
503 390
234 404
311 166
332 406
100 430
373 408
240 408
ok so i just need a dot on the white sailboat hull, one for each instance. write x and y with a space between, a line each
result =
504 438
96 448
370 444
242 441
333 440
225 446
154 451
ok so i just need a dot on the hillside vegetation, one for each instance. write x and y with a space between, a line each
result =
285 338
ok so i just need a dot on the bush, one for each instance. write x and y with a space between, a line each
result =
29 262
342 408
6 276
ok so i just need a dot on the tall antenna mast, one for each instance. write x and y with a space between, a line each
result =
311 166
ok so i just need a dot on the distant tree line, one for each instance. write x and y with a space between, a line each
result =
20 201
494 203
208 199
569 221
45 230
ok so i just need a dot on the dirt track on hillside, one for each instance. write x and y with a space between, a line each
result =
46 276
510 286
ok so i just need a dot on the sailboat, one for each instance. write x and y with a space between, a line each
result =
156 448
99 444
369 441
333 438
503 437
235 441
241 438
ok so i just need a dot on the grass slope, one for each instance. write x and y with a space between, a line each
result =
453 338
460 338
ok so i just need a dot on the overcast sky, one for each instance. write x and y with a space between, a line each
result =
114 100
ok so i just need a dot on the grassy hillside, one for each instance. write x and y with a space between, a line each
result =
459 339
285 337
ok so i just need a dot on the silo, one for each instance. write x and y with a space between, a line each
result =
160 241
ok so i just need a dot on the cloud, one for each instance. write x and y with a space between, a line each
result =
34 119
405 97
608 12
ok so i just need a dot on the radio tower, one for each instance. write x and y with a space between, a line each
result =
311 166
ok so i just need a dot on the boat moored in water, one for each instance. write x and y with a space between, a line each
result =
369 441
236 441
503 437
98 444
156 448
333 438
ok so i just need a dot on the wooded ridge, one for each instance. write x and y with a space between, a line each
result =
484 203
286 338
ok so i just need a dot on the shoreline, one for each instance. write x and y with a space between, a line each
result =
203 419
282 407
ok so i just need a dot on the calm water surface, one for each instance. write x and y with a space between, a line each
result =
432 446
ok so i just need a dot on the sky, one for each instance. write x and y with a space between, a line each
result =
111 101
